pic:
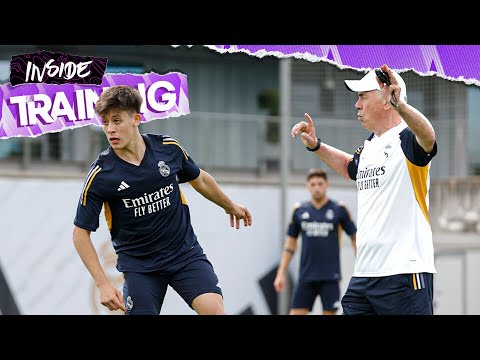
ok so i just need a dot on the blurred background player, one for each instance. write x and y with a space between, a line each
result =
320 221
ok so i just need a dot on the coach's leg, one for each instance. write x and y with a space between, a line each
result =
403 294
355 301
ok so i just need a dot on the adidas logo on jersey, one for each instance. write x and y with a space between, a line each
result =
123 186
305 215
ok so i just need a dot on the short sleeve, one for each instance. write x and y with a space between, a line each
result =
413 151
90 202
189 172
353 164
346 220
293 229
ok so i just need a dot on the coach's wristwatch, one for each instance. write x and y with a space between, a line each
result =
319 142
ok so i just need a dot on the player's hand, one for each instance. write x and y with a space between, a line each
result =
111 297
279 283
237 213
307 131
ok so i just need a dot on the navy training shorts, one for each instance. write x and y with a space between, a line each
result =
305 293
144 293
402 294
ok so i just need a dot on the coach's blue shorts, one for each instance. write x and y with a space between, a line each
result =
306 292
144 293
403 294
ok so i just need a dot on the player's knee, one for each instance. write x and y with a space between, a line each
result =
208 304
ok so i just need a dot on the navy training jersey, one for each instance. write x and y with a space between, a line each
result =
145 210
321 231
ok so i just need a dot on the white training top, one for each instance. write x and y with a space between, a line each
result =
394 234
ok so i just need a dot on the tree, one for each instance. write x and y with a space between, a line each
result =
269 99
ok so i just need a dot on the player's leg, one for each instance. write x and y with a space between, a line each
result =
198 285
354 301
144 293
330 295
208 304
304 296
403 294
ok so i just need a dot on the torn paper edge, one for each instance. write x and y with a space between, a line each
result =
315 58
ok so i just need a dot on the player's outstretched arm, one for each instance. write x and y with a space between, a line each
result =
109 296
206 185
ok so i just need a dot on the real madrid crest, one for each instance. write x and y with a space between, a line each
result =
163 168
129 303
329 214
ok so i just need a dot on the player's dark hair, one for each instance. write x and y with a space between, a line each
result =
121 97
316 172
